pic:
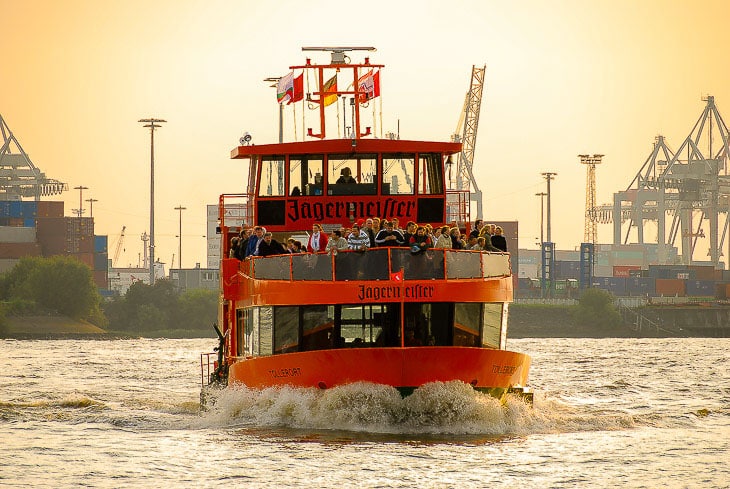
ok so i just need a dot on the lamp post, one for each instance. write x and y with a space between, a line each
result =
542 216
180 208
275 81
548 176
152 123
91 206
81 189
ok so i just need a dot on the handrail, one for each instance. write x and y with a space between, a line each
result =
378 264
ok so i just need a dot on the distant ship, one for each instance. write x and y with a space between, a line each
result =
390 315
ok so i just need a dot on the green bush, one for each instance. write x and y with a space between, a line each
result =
596 307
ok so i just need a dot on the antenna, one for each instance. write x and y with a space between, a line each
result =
338 52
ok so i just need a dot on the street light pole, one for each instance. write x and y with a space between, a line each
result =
179 249
152 123
548 176
542 216
81 189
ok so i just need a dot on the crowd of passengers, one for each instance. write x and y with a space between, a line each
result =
371 233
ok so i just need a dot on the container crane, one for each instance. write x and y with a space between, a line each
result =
466 133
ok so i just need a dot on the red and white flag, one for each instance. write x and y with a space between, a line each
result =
397 276
369 86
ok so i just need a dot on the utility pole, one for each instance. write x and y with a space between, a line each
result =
152 123
179 249
91 206
548 176
542 216
81 189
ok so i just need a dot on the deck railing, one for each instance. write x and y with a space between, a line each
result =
379 264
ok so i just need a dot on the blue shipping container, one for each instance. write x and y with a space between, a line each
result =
700 288
29 222
101 244
640 286
29 208
615 285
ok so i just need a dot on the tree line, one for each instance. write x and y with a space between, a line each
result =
64 286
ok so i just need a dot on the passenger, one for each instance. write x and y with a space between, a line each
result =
233 247
253 241
457 243
478 225
318 240
389 236
243 236
376 225
290 245
336 243
358 240
487 235
429 233
498 240
410 231
420 241
396 226
298 247
411 340
444 239
346 176
295 192
269 246
367 226
471 244
480 244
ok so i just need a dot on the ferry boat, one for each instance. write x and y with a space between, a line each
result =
389 315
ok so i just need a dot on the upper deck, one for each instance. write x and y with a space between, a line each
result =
336 181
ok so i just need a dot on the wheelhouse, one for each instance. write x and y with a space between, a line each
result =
294 185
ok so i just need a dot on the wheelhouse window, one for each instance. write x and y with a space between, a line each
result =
352 174
399 174
305 175
430 176
272 176
467 323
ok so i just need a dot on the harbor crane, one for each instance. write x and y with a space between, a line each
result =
119 245
466 133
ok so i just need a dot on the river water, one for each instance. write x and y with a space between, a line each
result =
124 413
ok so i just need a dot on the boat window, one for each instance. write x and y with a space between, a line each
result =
467 323
239 332
305 175
398 174
492 325
352 174
368 325
430 177
266 318
318 327
272 176
252 331
286 329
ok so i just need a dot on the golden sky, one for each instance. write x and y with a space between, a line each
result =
563 77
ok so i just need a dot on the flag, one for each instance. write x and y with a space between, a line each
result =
397 276
369 86
298 89
285 88
329 87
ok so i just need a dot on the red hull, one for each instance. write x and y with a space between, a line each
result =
403 368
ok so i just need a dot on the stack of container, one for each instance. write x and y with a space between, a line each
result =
17 232
101 262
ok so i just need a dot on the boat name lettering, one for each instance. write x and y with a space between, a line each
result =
278 373
503 369
321 211
380 292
